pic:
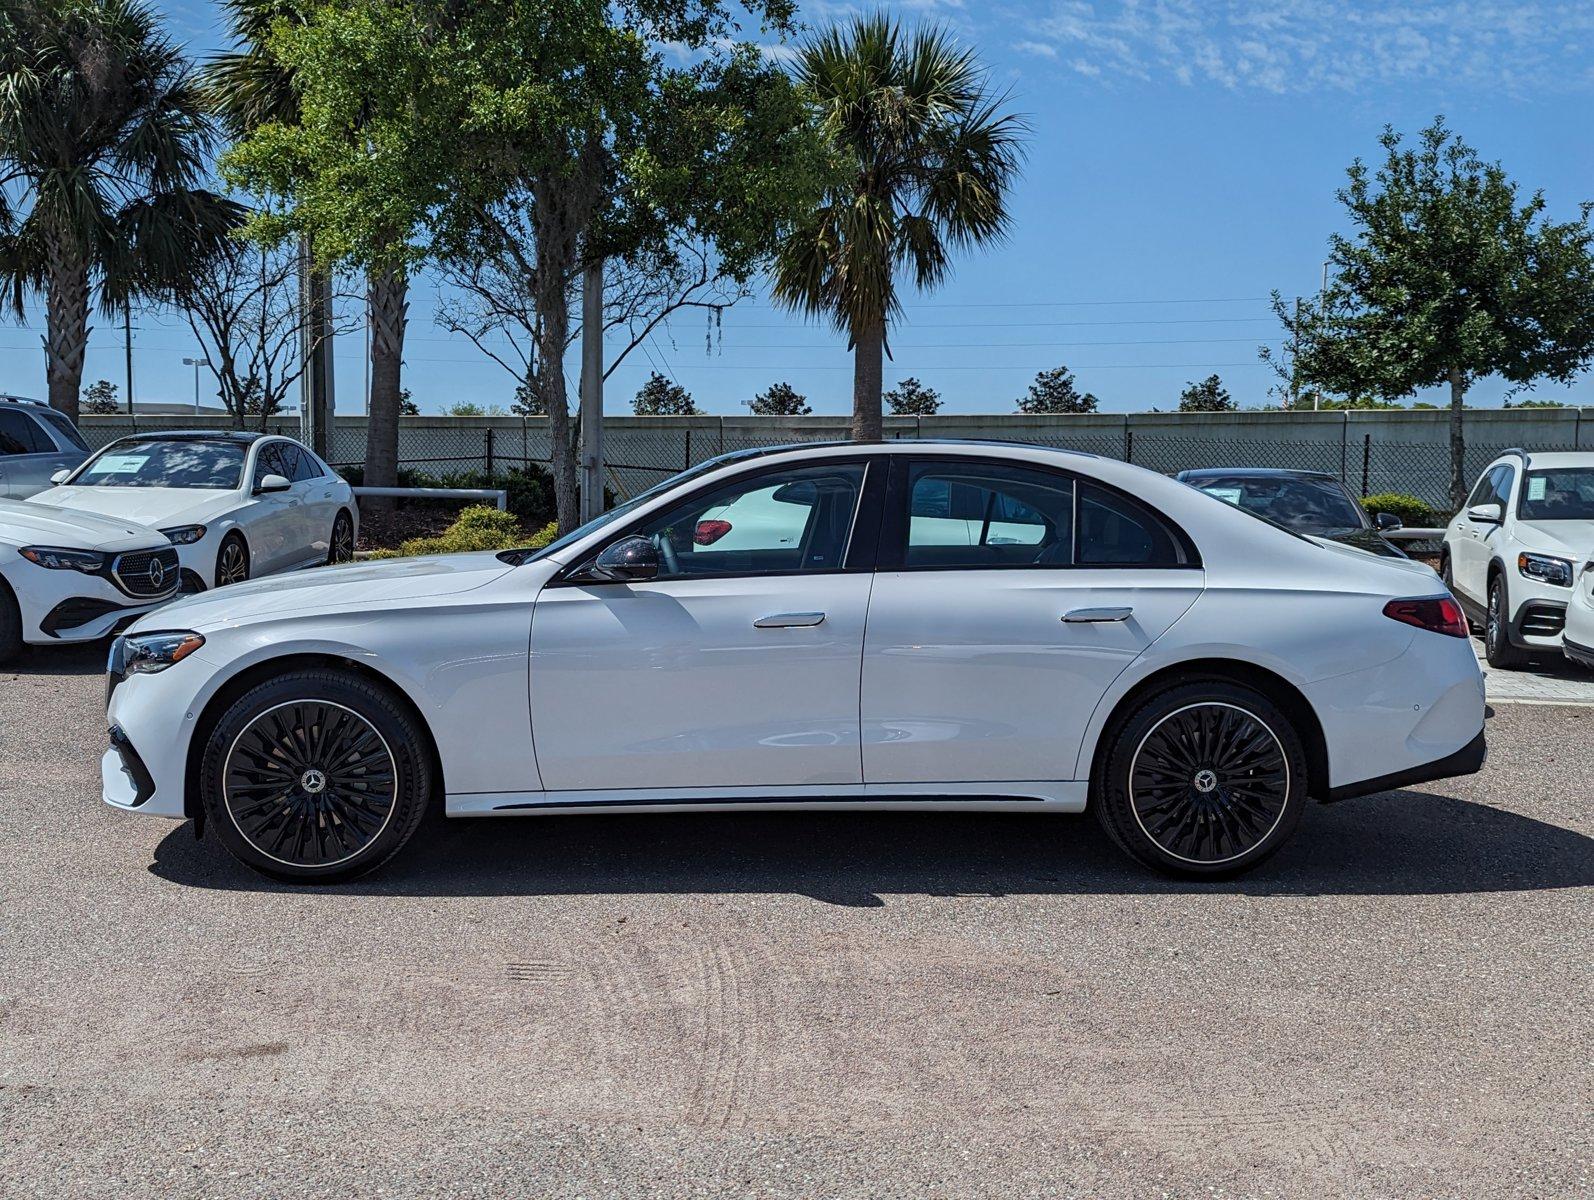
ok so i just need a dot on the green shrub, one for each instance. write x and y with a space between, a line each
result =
479 527
1412 511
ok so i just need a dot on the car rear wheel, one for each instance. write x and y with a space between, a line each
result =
232 560
340 548
1502 655
1203 779
315 776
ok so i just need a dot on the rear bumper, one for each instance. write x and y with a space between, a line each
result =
1578 653
1466 761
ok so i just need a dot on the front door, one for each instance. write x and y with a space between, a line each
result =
1474 544
1018 595
736 668
276 526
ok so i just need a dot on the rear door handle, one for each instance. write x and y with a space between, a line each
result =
1082 616
789 620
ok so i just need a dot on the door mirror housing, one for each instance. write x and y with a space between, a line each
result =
630 560
1486 514
272 483
61 476
1388 521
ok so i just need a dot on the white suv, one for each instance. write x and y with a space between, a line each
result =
1513 553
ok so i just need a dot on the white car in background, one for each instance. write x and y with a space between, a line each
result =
1578 640
73 577
1512 555
940 626
236 505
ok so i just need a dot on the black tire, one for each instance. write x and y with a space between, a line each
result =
1497 647
232 560
1244 794
340 546
10 624
338 810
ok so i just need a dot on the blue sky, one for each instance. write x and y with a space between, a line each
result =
1182 165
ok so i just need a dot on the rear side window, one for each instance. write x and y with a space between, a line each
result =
968 514
308 466
20 435
1115 531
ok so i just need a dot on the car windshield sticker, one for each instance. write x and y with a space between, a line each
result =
121 464
1536 487
1227 495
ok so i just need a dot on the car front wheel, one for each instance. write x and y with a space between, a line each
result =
315 776
1502 655
1203 779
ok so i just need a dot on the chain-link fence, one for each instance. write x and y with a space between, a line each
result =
1371 452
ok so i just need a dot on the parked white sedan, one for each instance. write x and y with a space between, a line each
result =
74 576
1093 633
236 505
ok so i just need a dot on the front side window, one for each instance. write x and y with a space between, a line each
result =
988 515
1504 477
272 461
1483 490
64 429
165 464
784 521
1558 494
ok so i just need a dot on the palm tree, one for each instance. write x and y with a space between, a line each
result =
103 141
925 159
250 88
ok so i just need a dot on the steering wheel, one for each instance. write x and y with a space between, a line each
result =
666 549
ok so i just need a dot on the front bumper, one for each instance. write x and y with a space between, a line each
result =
153 717
68 606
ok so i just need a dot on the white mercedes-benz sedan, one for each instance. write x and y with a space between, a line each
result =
911 625
235 504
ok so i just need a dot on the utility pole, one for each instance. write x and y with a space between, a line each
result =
1295 361
127 346
316 402
591 392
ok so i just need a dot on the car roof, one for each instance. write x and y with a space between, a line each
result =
242 436
1255 473
1552 458
895 446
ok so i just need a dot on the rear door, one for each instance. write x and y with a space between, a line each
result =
1009 597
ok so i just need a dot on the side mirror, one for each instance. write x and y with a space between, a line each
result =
1486 514
61 476
271 483
630 560
1388 521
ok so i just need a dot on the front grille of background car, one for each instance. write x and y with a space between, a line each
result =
1542 620
137 573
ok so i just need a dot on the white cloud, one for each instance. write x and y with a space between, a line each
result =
1298 45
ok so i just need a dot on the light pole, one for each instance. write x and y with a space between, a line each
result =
196 363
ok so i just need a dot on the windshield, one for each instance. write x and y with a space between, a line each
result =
1561 494
1302 505
631 505
152 463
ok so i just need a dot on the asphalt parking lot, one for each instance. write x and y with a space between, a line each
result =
799 1006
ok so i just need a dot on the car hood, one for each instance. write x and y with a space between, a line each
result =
31 525
159 508
1568 539
353 587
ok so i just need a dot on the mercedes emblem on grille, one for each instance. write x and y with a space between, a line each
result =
157 574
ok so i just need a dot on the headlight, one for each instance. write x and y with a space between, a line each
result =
1542 567
56 559
184 535
147 653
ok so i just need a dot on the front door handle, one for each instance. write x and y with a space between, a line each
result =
1081 616
789 620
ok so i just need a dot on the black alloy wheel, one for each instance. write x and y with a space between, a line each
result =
232 560
317 775
340 549
1502 655
1202 779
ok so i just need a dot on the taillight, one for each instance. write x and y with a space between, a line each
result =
1438 614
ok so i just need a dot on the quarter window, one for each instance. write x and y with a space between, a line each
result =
965 514
1115 531
781 522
